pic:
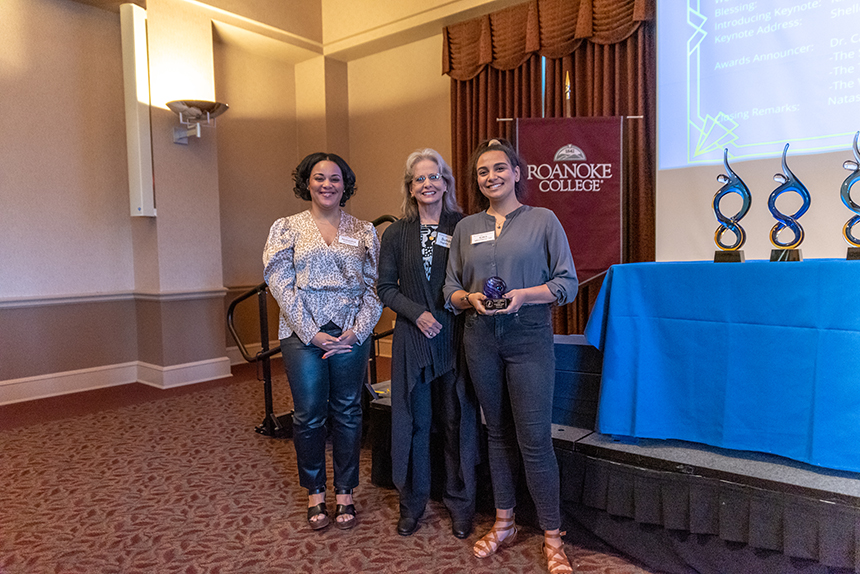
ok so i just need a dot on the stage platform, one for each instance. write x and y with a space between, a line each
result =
688 508
676 506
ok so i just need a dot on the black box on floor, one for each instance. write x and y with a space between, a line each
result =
577 382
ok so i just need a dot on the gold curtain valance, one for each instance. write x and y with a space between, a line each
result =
550 28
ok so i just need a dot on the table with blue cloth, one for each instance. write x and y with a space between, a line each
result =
754 356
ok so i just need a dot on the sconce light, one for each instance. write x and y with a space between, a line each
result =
193 114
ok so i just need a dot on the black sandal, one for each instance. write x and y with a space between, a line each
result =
319 509
313 512
344 510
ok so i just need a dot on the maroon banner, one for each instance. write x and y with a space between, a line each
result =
574 169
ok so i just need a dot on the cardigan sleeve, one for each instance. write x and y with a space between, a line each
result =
390 276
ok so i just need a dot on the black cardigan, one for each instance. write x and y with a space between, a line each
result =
404 288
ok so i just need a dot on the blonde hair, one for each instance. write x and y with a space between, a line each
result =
449 200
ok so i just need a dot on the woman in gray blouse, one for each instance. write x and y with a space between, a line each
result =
321 268
509 351
428 385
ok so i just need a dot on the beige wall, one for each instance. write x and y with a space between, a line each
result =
257 150
64 225
143 298
398 102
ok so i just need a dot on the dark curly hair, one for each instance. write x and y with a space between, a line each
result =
496 144
302 175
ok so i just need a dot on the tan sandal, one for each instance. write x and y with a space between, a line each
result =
556 559
493 541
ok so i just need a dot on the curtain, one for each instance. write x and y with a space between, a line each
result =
607 49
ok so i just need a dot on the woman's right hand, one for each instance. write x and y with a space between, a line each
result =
331 345
428 324
476 299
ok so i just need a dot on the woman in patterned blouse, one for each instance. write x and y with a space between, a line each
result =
427 386
320 266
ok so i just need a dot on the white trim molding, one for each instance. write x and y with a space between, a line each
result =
185 374
56 384
43 300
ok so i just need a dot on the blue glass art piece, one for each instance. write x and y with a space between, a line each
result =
788 182
494 287
494 291
848 229
732 183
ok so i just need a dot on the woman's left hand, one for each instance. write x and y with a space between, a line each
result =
340 345
516 299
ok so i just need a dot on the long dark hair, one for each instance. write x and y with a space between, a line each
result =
502 145
302 175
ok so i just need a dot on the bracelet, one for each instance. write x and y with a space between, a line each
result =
465 299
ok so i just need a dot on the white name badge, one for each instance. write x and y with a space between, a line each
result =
348 240
482 237
443 239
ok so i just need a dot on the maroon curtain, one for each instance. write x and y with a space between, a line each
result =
607 50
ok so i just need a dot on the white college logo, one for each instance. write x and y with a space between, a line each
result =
569 153
558 176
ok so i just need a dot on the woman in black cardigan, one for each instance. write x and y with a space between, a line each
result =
428 387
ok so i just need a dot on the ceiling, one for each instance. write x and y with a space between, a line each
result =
112 5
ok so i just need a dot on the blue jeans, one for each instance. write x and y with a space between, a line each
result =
323 388
512 363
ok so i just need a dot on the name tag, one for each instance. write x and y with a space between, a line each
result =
348 240
443 240
482 237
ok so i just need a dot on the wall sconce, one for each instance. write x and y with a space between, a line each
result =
193 114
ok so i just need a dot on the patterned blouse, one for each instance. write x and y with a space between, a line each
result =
315 283
428 241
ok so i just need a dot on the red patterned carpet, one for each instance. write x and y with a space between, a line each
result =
135 480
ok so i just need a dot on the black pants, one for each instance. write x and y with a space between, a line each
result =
435 405
323 387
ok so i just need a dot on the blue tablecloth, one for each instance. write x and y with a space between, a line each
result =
755 356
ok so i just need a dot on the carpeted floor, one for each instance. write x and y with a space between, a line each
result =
135 480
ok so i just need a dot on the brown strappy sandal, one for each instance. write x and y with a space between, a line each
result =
556 560
491 541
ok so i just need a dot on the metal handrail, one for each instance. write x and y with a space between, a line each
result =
261 288
383 219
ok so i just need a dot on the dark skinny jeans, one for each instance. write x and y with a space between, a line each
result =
512 363
322 388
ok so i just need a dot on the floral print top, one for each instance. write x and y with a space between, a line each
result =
428 241
315 283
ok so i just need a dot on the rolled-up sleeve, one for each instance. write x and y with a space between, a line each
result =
563 282
454 273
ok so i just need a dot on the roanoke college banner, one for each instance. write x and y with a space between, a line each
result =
574 169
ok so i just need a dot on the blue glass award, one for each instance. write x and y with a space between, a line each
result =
732 183
788 250
848 228
494 291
